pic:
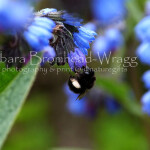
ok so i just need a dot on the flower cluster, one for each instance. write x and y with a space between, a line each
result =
24 32
57 34
38 33
90 104
142 31
110 18
70 39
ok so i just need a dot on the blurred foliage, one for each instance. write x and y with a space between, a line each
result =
120 91
119 132
32 129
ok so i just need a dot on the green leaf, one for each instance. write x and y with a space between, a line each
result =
13 97
122 92
6 76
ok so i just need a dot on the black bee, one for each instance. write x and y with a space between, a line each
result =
62 42
82 81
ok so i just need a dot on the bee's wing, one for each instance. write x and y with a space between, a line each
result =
82 95
56 16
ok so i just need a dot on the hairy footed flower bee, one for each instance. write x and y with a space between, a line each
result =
82 81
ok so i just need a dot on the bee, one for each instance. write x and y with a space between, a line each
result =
62 42
82 81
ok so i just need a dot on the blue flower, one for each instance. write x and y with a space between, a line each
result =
110 41
13 15
146 79
142 30
82 107
71 20
82 39
44 23
114 38
108 11
100 46
146 103
143 53
90 26
76 59
75 107
39 33
48 54
112 105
